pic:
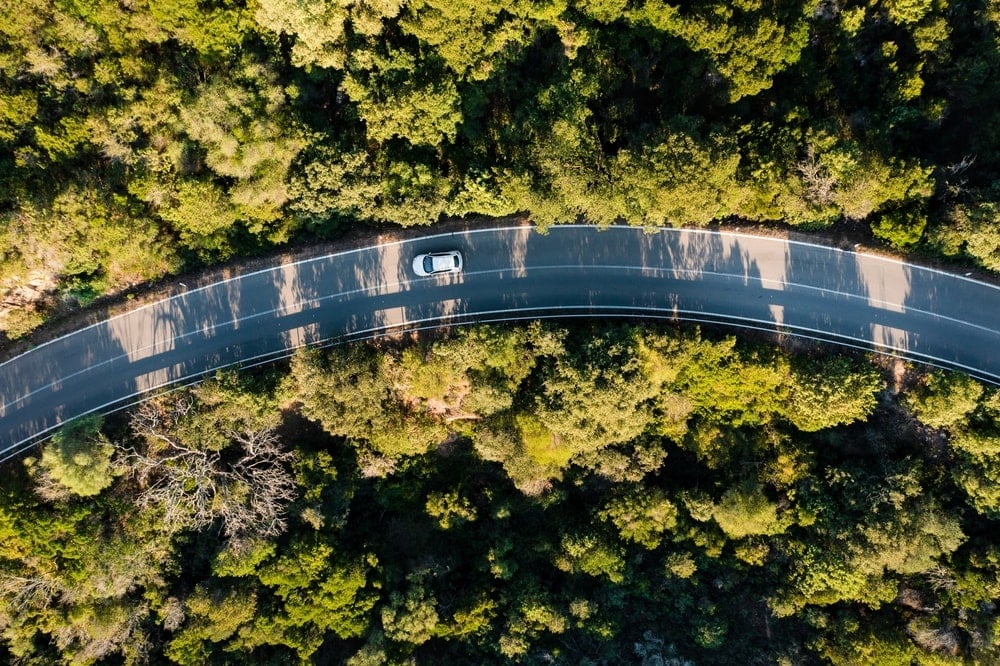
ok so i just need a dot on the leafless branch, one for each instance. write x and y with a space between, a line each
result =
940 578
818 182
24 593
961 166
246 486
48 488
95 638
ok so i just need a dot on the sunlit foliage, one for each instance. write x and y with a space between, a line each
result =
697 499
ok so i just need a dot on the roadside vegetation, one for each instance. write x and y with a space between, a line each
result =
142 138
537 494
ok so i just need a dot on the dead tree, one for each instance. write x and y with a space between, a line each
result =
246 485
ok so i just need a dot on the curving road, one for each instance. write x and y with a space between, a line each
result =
751 281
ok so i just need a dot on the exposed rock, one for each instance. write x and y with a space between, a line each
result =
22 299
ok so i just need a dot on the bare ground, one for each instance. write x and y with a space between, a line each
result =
67 317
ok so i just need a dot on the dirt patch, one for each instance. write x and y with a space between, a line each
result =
68 317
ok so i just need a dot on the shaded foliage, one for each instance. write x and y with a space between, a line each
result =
145 139
697 500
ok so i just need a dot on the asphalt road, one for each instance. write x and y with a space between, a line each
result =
510 273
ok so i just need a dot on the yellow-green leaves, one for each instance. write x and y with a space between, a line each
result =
78 458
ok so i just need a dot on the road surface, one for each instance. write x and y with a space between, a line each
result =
515 272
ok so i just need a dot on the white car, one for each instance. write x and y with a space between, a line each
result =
437 262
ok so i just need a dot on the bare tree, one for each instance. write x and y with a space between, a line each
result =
97 632
942 639
245 485
22 592
374 465
818 182
940 578
960 167
955 176
47 487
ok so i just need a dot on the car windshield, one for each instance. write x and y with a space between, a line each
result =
428 264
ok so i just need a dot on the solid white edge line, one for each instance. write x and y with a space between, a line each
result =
649 231
537 313
724 320
372 291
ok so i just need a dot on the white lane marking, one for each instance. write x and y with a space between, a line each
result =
773 239
555 227
299 262
375 290
670 314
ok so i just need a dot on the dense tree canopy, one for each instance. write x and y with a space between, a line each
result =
523 495
681 506
141 138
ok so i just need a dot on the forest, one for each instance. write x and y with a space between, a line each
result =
585 494
595 494
142 138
